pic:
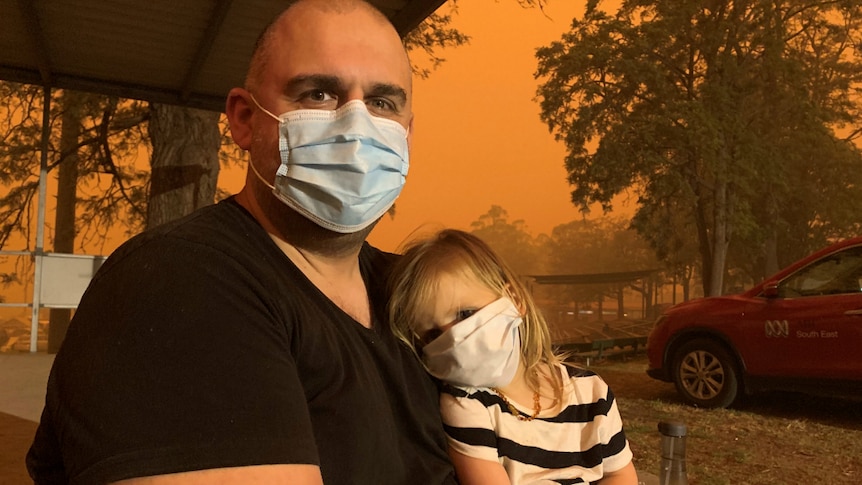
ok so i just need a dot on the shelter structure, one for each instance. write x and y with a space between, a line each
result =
188 53
596 338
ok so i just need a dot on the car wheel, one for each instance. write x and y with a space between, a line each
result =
705 374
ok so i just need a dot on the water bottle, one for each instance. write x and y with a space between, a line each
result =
672 453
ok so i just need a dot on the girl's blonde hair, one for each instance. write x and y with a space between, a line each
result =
414 284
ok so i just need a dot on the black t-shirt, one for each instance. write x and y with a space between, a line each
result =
200 345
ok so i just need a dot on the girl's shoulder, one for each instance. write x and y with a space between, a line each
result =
576 372
585 382
462 398
465 392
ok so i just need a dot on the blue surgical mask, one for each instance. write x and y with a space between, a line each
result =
342 169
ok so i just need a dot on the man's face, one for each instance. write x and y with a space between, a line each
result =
321 60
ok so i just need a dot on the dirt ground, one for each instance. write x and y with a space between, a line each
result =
16 434
773 438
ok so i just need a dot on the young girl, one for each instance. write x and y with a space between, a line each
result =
513 412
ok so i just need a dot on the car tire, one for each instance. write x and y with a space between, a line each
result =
705 374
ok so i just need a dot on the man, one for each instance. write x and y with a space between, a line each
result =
246 343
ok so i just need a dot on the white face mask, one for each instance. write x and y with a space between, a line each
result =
480 351
341 169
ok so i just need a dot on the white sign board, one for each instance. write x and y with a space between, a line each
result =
65 277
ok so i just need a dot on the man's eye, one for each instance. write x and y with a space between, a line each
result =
380 105
465 314
318 96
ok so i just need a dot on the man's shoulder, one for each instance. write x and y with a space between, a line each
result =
217 232
377 257
209 222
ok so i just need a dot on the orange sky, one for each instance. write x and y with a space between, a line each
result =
477 138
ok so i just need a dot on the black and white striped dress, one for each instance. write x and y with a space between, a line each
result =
578 445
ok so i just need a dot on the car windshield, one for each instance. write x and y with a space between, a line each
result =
837 273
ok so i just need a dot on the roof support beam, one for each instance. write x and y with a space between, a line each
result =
409 17
214 25
36 39
164 96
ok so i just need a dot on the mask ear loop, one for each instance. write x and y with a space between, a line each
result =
250 162
276 118
259 176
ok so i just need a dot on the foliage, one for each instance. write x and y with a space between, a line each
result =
111 188
597 246
436 33
723 117
431 35
510 240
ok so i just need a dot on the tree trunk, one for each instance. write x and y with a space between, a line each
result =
771 265
64 222
720 240
704 245
688 274
673 290
185 161
621 304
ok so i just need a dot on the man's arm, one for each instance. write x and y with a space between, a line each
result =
262 474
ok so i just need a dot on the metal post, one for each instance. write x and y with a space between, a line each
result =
40 220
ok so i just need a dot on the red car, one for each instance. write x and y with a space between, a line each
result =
800 330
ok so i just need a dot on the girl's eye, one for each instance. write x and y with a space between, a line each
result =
464 314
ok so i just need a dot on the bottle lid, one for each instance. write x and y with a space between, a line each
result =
672 428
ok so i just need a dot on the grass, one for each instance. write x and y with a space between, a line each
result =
777 438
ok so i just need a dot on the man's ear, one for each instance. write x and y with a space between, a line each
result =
239 111
410 133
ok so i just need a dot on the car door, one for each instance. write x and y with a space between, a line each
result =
818 312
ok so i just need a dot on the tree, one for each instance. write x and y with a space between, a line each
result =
80 149
510 240
185 161
67 182
431 35
96 153
436 32
586 247
714 109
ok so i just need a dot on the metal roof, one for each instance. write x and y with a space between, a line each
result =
187 52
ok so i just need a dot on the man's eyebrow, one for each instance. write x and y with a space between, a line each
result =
334 84
317 81
389 90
